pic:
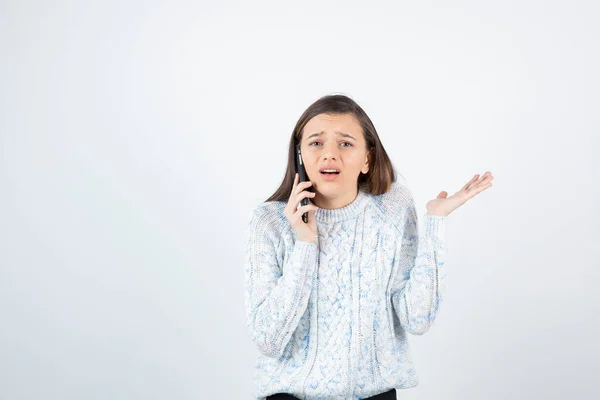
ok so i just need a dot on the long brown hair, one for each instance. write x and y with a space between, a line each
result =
381 172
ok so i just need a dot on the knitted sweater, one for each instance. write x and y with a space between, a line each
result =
329 319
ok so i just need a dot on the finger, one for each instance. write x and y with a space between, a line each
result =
300 206
484 178
487 177
479 189
293 187
287 210
303 209
302 186
466 186
295 201
304 194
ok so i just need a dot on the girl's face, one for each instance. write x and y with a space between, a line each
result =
334 141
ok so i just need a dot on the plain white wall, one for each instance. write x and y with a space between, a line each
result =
137 136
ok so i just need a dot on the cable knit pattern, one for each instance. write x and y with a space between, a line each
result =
329 319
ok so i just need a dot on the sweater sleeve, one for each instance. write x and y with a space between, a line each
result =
276 296
419 282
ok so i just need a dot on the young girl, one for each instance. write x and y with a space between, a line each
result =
329 302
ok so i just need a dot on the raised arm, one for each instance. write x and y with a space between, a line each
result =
276 296
418 283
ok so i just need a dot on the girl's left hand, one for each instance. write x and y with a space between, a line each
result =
443 205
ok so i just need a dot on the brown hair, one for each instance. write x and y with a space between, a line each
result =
381 174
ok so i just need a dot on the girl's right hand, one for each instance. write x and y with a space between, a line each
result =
304 231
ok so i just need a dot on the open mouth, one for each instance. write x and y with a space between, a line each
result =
329 175
330 170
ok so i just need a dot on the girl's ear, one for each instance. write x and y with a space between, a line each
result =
365 167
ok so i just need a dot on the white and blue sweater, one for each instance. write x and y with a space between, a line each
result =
329 319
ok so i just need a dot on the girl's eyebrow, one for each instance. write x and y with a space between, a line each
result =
346 135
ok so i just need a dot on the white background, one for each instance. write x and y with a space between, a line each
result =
136 137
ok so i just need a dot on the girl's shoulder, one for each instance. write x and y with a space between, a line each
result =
267 217
398 198
396 205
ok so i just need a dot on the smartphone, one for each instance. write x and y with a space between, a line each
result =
302 178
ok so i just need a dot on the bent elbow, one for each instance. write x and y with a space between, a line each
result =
265 343
269 350
418 329
419 325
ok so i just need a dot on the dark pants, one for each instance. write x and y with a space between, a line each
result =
389 395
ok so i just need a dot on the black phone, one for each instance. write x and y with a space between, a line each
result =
302 178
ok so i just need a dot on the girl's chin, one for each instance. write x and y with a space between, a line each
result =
328 191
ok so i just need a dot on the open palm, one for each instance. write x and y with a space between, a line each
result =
444 205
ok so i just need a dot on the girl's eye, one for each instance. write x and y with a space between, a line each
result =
350 144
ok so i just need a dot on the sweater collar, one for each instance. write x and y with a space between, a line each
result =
337 214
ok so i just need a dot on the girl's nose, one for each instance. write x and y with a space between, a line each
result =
330 151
